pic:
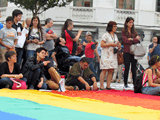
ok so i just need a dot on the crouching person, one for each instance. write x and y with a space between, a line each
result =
33 70
80 75
9 69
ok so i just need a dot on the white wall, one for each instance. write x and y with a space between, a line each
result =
147 5
103 3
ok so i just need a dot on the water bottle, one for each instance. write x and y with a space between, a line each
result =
62 84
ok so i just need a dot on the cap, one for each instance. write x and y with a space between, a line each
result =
88 33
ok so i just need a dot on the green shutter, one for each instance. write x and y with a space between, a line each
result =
91 3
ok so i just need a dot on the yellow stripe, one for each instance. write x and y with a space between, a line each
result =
84 104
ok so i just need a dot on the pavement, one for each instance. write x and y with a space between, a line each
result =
117 86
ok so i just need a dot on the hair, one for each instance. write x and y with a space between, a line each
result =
38 50
9 18
66 24
96 43
85 59
57 41
110 26
48 20
27 19
8 54
38 26
153 60
16 12
125 29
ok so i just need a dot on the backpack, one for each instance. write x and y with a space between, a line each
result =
138 82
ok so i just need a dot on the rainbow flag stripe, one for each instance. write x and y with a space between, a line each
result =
79 105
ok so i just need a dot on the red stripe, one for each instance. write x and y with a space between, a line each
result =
118 97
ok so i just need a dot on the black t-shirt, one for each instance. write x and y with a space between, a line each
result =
62 53
16 26
4 69
74 49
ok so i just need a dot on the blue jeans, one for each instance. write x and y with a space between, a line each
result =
91 67
30 53
151 90
74 58
7 81
19 52
50 53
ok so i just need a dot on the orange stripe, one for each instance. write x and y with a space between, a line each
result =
117 99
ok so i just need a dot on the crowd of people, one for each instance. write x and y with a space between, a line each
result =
44 56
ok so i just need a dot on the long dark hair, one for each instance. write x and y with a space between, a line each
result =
38 26
66 24
57 42
125 29
153 60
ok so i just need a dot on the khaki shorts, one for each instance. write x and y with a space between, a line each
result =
2 53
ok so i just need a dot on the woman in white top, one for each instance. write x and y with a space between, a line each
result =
108 63
36 37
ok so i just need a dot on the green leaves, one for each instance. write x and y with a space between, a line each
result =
39 6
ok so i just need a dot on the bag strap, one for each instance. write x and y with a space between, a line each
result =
18 83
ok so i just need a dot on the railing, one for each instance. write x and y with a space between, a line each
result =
157 18
3 13
82 13
120 15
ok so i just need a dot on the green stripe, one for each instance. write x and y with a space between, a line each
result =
38 111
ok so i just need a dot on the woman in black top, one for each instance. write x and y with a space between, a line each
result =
9 69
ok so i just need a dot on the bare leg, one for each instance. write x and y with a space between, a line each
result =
102 76
52 85
109 77
157 81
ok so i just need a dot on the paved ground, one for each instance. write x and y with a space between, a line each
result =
117 86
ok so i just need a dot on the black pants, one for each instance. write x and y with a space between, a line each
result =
76 82
128 58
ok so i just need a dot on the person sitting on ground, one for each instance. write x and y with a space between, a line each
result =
61 55
151 81
10 69
80 75
33 70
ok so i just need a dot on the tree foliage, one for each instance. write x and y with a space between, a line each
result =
39 6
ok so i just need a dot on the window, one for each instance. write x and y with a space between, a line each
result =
158 6
126 4
3 3
83 3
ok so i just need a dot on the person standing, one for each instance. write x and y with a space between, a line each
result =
8 38
17 16
71 39
50 36
129 36
36 37
90 49
108 62
154 48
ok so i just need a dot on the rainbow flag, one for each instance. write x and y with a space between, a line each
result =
77 105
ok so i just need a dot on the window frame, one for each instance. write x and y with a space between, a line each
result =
125 5
83 1
157 6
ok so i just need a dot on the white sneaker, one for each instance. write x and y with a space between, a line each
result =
126 87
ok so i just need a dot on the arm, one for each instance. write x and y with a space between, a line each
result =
51 36
94 83
84 82
152 49
95 51
104 44
54 57
150 80
84 43
78 35
2 43
17 76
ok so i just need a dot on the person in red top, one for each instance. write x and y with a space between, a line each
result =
71 39
129 36
90 49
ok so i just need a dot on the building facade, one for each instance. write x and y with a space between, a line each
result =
93 15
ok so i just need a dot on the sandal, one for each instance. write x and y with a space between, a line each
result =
76 87
102 88
108 88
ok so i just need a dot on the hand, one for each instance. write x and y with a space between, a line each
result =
137 37
26 35
99 59
95 86
13 47
80 31
19 33
46 63
40 84
113 44
154 44
129 38
21 75
87 87
36 41
17 76
8 47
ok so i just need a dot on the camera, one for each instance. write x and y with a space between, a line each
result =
115 50
33 37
